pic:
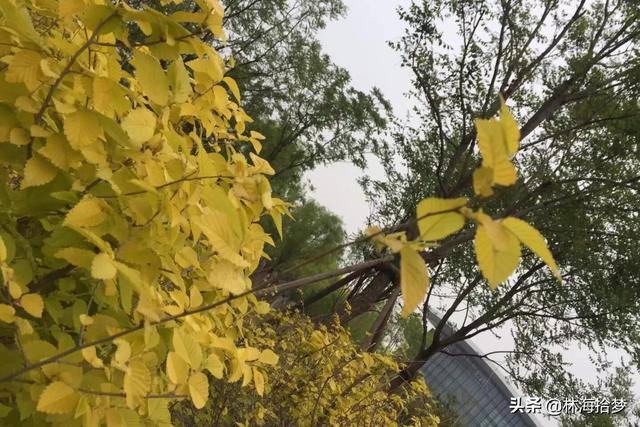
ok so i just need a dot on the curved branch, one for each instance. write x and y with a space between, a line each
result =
260 292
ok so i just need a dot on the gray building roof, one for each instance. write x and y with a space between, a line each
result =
478 394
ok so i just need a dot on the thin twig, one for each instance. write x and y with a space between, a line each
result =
120 394
361 240
67 68
271 289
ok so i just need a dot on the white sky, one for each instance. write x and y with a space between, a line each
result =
358 43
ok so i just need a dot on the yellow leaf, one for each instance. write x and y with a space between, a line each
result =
7 313
494 151
137 382
187 348
109 97
140 125
19 136
15 290
224 275
483 181
248 354
123 417
38 171
435 226
143 185
86 213
151 336
58 151
414 279
103 267
531 238
199 389
206 67
195 297
187 257
393 241
19 20
24 326
224 343
94 239
36 350
180 83
82 128
264 188
221 236
57 398
233 87
258 380
268 357
85 320
3 250
50 68
32 304
76 256
89 354
277 220
159 411
151 77
509 128
39 132
214 365
68 8
25 68
123 353
260 165
499 235
497 252
177 368
262 307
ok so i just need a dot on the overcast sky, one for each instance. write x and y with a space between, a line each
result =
358 43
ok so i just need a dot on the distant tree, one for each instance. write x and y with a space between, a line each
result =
617 386
287 79
572 69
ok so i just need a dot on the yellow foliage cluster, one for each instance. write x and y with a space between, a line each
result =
497 241
321 379
130 204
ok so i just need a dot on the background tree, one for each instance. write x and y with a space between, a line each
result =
572 70
288 80
617 385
